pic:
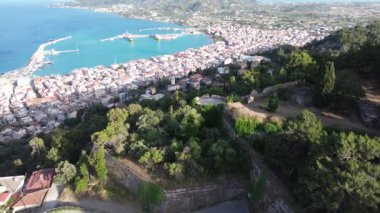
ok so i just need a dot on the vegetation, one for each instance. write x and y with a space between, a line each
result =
256 192
151 193
246 126
273 103
327 171
65 172
100 164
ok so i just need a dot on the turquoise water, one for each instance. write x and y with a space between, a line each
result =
25 26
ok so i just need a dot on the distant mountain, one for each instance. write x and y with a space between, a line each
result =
183 5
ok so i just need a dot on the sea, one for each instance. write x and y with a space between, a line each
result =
26 24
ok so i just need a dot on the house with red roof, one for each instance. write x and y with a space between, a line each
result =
34 192
10 186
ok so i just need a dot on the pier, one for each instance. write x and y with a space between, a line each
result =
37 61
127 36
158 37
55 52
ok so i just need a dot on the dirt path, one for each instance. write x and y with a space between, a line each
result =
285 110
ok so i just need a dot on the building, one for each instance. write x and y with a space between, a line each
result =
34 192
9 186
174 87
151 91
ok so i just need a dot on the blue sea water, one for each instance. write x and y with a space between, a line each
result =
25 25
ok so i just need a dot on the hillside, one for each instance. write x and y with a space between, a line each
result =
183 5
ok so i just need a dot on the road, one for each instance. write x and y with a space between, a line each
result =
237 206
286 110
101 206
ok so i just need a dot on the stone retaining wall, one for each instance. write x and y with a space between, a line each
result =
179 200
190 199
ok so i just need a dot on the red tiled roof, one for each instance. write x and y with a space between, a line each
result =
4 196
30 200
40 179
35 190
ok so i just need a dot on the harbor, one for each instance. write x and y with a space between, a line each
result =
37 61
131 37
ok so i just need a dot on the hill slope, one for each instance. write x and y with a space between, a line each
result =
185 5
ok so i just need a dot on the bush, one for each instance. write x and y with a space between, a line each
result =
246 126
81 185
271 128
284 94
273 103
233 98
151 193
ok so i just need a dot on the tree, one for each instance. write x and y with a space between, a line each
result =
325 86
64 172
175 170
306 127
151 193
37 145
328 82
273 103
190 121
222 153
299 65
53 155
343 174
150 119
100 164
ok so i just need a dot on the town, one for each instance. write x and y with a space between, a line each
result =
31 105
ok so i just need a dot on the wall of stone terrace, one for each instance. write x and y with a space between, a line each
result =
190 199
178 200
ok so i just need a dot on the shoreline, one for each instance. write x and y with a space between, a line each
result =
36 61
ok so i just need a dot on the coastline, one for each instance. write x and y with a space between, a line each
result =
36 62
39 104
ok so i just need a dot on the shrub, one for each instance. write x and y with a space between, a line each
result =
151 193
246 126
271 128
233 98
81 185
273 103
284 94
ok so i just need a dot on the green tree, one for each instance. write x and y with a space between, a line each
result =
328 81
64 172
343 174
38 146
175 170
53 155
150 119
100 164
299 65
273 103
306 127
